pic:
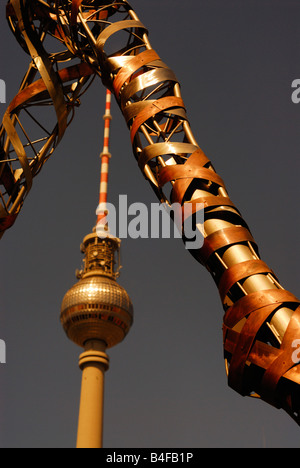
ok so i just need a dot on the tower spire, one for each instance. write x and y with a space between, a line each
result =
105 156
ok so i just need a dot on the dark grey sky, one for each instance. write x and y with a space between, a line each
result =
236 60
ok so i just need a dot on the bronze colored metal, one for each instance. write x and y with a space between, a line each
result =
261 318
51 81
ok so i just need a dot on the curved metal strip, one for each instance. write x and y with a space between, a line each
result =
284 362
19 149
255 301
142 82
164 149
240 272
137 62
225 238
165 104
114 28
43 64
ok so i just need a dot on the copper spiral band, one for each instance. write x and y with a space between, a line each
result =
261 318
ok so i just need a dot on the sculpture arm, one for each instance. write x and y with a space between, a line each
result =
36 120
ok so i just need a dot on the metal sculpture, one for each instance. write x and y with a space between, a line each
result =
261 318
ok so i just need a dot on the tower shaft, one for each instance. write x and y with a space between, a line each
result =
93 363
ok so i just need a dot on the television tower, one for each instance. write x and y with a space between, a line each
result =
97 312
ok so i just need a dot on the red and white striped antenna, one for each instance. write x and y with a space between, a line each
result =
102 211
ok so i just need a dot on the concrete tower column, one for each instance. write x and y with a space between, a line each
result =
94 362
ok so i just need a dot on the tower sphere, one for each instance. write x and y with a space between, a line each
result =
97 307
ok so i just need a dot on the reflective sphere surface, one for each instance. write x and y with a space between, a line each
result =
97 307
